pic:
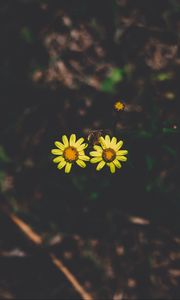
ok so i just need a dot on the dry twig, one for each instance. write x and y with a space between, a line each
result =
37 240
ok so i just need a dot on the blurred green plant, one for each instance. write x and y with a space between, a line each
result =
163 76
169 130
109 84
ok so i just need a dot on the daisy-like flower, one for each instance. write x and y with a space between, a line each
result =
108 153
69 152
119 106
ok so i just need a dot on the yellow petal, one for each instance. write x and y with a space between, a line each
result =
113 141
81 152
100 165
56 152
98 148
82 147
102 142
72 139
112 167
58 159
117 163
95 153
65 140
61 164
107 139
68 167
79 142
118 145
121 158
122 152
59 145
84 157
81 163
95 159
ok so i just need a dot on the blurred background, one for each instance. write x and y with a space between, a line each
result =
63 65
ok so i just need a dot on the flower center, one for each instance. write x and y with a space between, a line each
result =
109 154
70 154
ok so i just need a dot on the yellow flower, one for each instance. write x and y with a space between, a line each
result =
108 153
70 151
119 106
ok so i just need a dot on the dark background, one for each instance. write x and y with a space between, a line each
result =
63 65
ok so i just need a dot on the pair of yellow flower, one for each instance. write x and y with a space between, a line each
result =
107 152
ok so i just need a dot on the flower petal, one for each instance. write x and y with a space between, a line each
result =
112 167
68 167
113 141
56 152
65 140
98 148
121 158
81 152
122 152
117 163
79 142
84 157
107 139
61 164
100 165
102 142
72 139
118 145
59 145
95 153
82 147
81 163
58 159
95 159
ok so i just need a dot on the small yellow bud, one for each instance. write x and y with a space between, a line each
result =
119 106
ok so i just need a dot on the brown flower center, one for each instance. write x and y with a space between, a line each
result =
109 154
70 154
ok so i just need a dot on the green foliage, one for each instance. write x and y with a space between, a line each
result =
163 76
109 84
169 130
